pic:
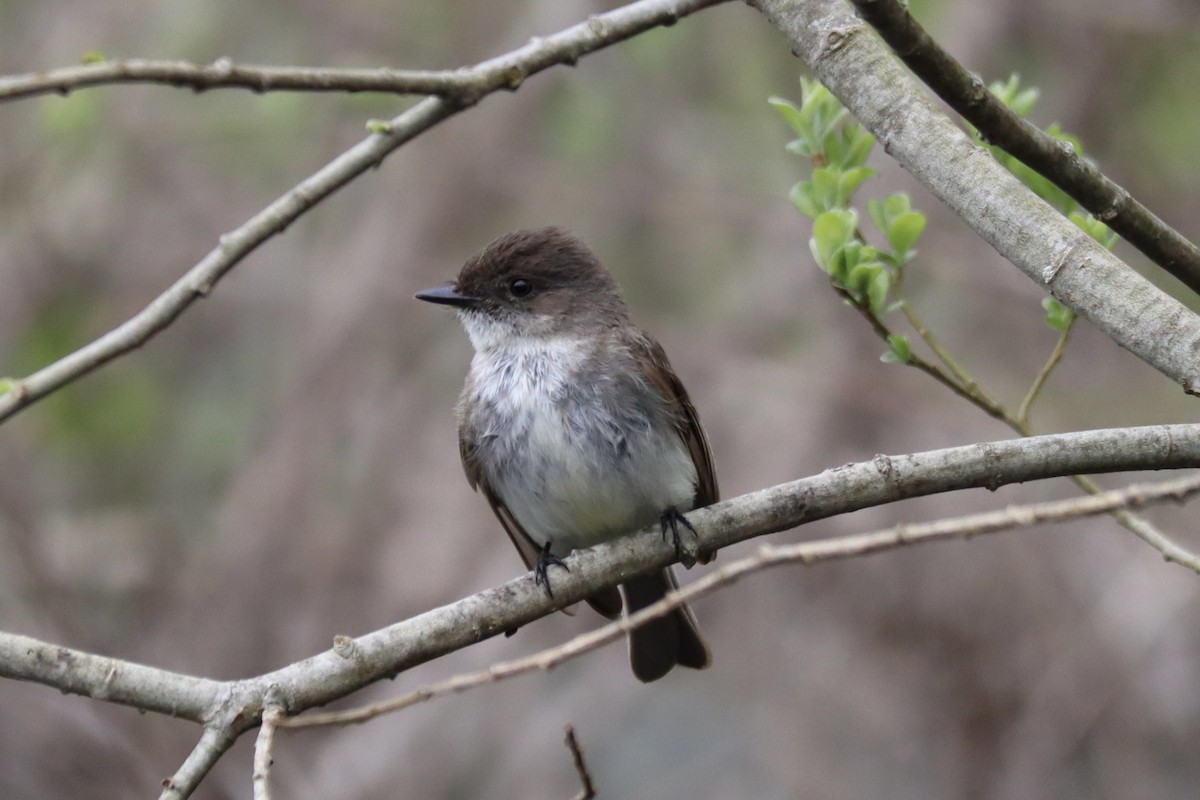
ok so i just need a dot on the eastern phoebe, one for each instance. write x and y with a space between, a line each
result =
573 424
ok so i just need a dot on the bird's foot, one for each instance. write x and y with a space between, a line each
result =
545 560
669 521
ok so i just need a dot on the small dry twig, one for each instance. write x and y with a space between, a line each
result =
588 790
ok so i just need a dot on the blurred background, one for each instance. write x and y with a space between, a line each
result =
280 466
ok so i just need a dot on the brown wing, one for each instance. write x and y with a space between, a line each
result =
525 546
606 603
653 360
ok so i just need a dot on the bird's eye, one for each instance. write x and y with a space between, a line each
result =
520 287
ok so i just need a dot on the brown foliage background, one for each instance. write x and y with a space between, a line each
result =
280 467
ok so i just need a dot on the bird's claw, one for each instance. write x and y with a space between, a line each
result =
541 567
670 521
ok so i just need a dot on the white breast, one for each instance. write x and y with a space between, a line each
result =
574 464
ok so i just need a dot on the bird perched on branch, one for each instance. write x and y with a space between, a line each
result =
574 426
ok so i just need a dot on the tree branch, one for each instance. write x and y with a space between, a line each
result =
213 743
229 708
1001 126
1039 241
113 680
806 553
263 748
354 663
587 789
225 74
504 72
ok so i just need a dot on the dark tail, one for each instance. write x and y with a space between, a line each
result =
660 644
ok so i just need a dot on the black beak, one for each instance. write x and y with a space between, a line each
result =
448 296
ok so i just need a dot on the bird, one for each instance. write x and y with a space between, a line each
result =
574 426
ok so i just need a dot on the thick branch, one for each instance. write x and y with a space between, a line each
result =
1049 249
504 72
110 679
1001 126
885 479
806 553
229 708
354 663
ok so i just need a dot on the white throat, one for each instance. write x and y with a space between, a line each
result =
502 333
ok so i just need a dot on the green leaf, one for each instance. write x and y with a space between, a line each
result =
903 232
1012 95
896 204
875 210
831 146
6 384
92 57
848 146
859 145
902 226
848 182
803 197
858 277
799 147
877 291
863 279
884 211
810 87
791 115
825 180
832 230
381 126
852 252
820 112
899 350
824 133
1058 316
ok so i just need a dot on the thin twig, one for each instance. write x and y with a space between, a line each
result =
225 74
931 341
975 394
1171 551
588 790
969 390
958 379
1001 126
503 72
263 746
806 553
1060 347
